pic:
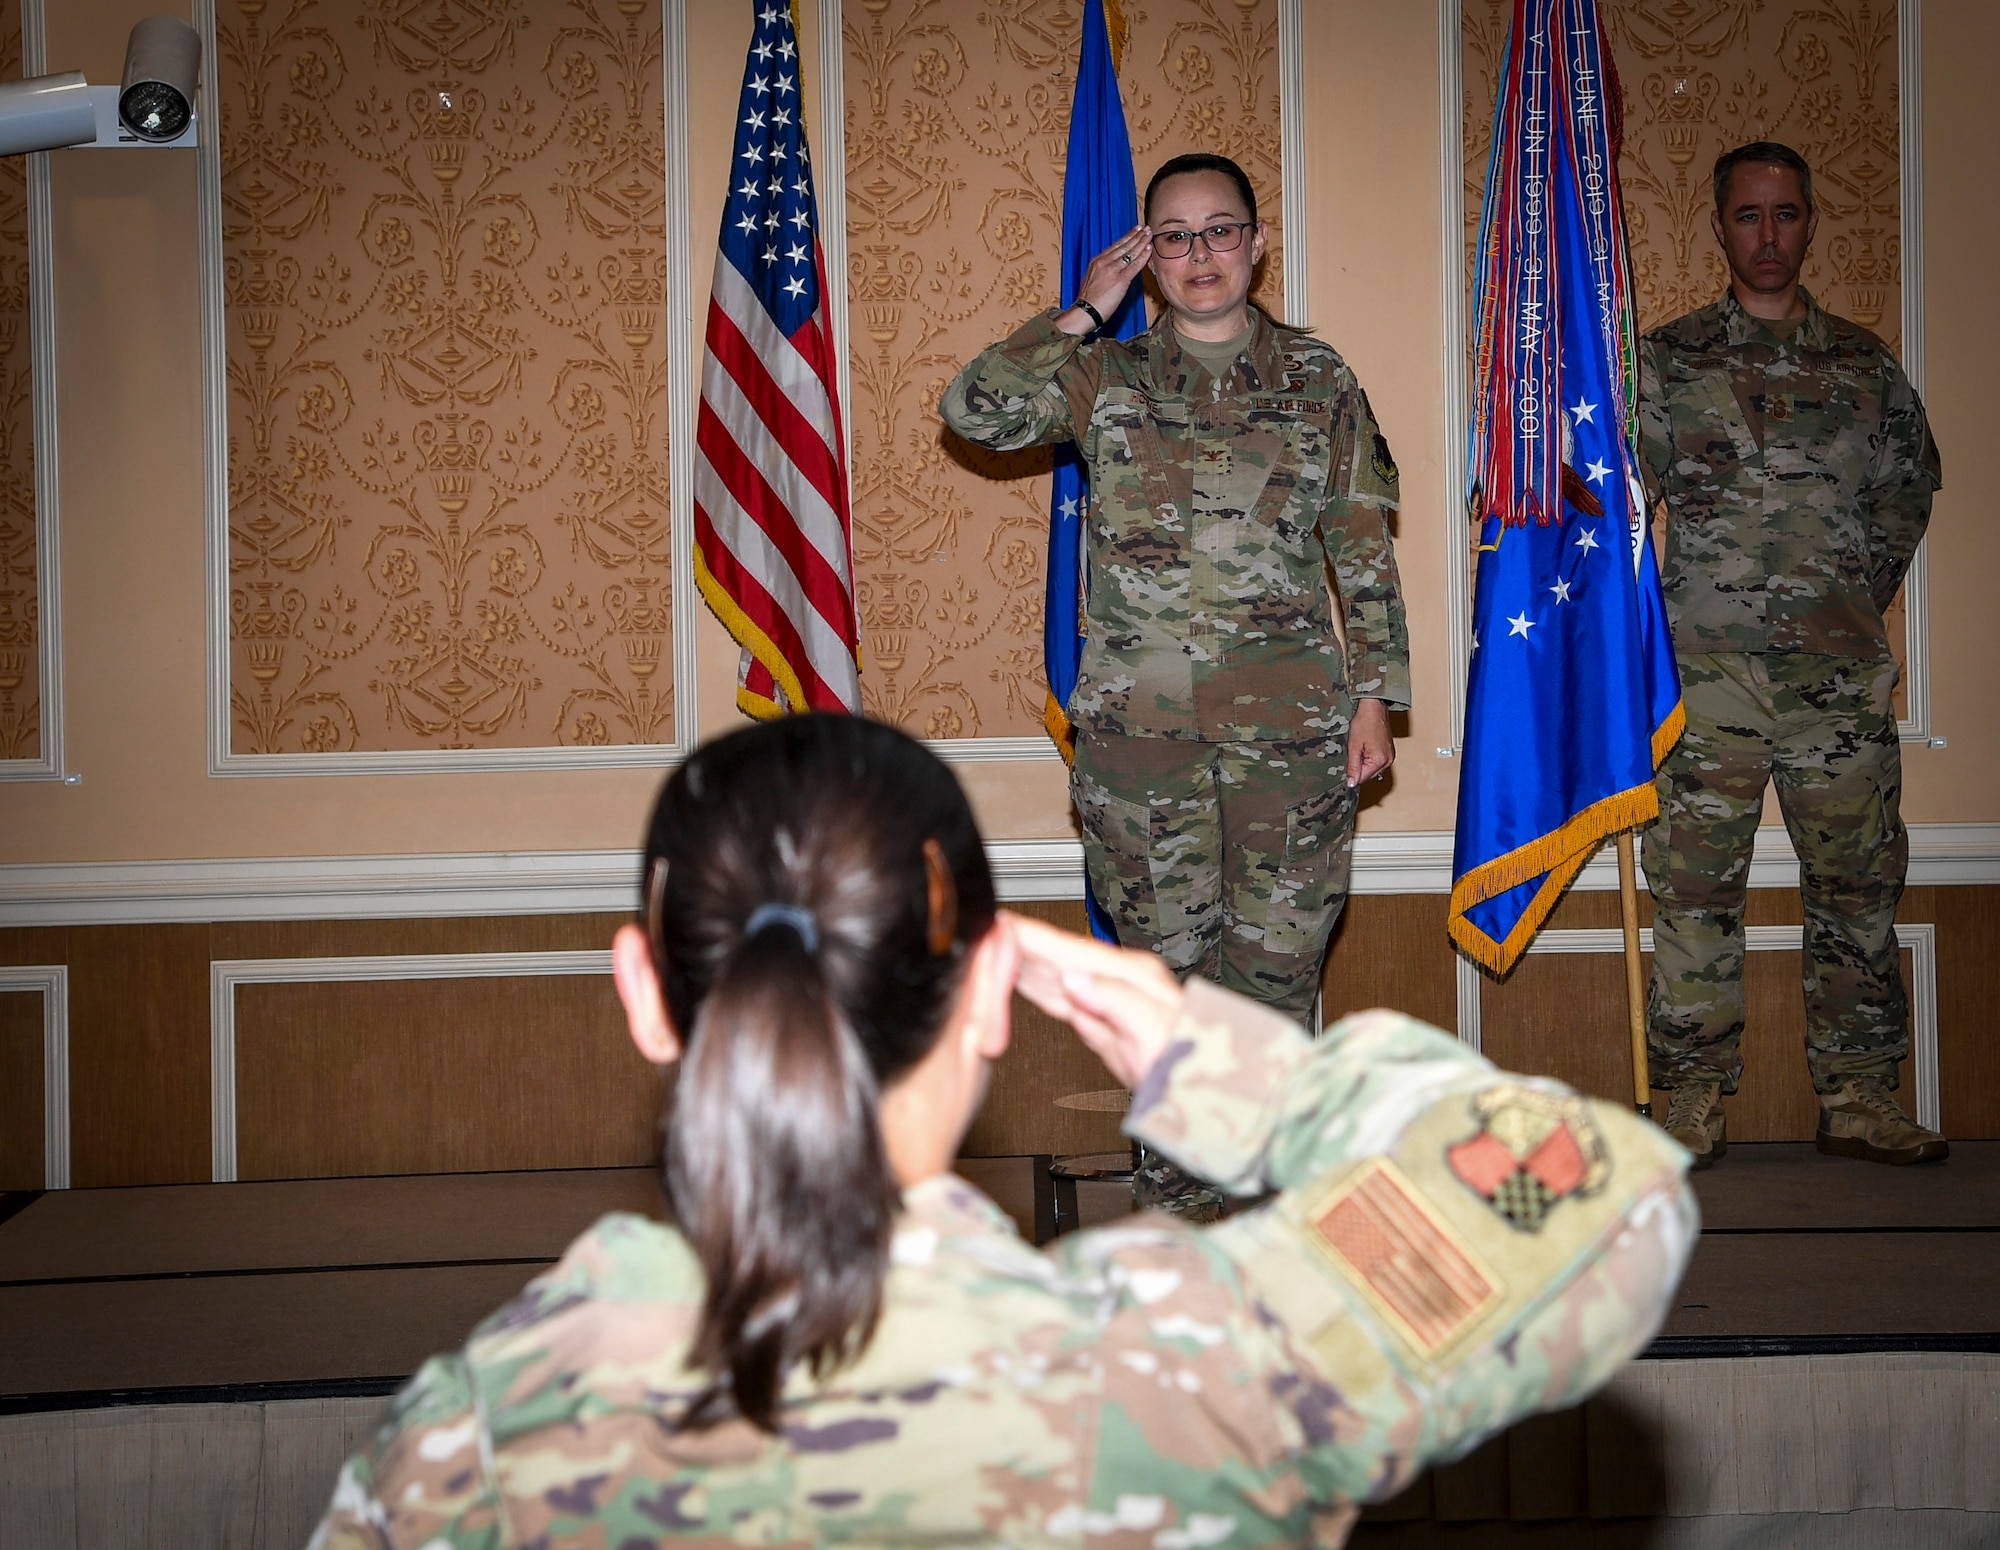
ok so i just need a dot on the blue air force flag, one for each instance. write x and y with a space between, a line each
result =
1099 207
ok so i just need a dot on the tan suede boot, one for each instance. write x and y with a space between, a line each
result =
1695 1119
1861 1118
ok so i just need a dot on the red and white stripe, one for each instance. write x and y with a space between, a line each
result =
771 509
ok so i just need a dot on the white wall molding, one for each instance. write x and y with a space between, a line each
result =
47 667
568 882
682 376
225 975
52 981
1910 150
993 750
320 888
1466 990
829 165
1296 188
1028 870
1452 309
1919 940
684 373
1942 855
1916 727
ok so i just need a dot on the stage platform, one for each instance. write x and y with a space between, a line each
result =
1826 1294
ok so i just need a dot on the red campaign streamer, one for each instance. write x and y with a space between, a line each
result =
1517 448
1594 119
1558 115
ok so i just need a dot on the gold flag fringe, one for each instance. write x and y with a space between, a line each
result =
1056 722
1114 26
1669 733
1556 858
761 646
1622 810
1498 957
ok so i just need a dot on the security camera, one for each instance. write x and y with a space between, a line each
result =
153 106
46 111
162 67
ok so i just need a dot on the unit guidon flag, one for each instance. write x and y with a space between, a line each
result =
1573 698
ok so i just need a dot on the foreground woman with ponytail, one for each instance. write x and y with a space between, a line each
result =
840 1342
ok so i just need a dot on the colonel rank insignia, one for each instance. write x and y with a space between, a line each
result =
1531 1150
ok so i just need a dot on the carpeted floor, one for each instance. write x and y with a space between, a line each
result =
345 1285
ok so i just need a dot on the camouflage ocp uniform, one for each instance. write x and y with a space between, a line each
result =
1453 1248
1214 698
1797 469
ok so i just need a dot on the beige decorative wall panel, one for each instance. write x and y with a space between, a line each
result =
1699 79
957 126
443 271
20 610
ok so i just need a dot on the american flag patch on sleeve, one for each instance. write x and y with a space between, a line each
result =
1413 1267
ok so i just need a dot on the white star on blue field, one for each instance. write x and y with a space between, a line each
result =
768 227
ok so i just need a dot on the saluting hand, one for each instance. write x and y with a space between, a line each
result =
1109 277
1122 1004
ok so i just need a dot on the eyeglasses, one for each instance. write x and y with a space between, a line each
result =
1223 237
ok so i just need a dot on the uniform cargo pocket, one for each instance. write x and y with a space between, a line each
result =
1155 865
1312 875
1117 849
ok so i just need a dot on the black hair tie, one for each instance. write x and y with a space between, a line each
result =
796 916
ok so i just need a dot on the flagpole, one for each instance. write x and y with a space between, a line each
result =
1635 989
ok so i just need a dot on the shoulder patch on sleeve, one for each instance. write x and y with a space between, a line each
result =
1369 442
1417 1270
1531 1150
1383 463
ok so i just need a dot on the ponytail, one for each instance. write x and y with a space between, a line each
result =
778 1176
812 884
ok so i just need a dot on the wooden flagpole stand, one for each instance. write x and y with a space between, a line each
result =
1635 982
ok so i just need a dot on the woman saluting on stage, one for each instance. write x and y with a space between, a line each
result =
1223 727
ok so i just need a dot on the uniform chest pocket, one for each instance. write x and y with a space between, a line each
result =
1137 449
1280 457
1129 429
1711 432
1833 416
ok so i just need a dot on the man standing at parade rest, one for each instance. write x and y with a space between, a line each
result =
1797 469
1222 728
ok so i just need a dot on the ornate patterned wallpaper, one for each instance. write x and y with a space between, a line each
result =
444 279
1699 79
20 609
957 126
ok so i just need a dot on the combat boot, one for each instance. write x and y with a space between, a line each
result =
1695 1119
1861 1118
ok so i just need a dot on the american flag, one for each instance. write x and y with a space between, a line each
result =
773 546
